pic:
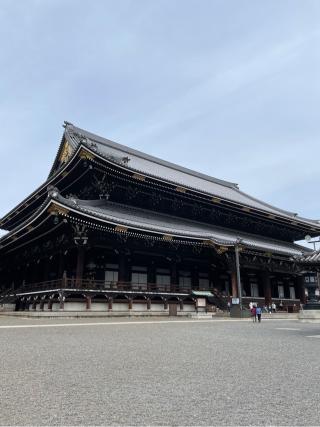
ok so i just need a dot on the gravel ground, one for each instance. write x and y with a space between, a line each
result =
175 373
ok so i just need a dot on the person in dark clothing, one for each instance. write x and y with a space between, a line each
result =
258 313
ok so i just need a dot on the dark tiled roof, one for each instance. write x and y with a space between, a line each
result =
314 257
170 172
149 221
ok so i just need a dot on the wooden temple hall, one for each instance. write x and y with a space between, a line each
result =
113 229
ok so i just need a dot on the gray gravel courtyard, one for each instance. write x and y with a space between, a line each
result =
159 373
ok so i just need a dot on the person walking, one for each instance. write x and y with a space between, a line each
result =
258 313
253 314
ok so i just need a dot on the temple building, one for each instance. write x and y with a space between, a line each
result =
116 230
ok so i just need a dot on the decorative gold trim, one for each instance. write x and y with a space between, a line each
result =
121 229
181 190
138 177
65 153
222 250
65 173
271 216
216 200
57 210
208 243
84 154
29 228
246 209
167 237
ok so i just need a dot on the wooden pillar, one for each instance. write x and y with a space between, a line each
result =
61 301
61 262
174 276
165 304
123 275
110 300
46 268
130 301
181 304
148 304
64 279
88 302
195 278
234 284
266 283
80 264
300 287
151 273
34 274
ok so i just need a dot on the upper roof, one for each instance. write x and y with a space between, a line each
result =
171 172
135 161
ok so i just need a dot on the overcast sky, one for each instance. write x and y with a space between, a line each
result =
229 88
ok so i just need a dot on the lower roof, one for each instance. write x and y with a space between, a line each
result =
154 222
314 257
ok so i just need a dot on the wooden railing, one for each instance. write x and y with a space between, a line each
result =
102 285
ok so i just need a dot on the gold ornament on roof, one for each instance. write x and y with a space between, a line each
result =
84 154
121 229
57 210
65 153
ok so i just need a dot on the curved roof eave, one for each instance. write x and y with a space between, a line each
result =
44 185
208 234
69 205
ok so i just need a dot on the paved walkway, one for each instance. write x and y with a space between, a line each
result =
154 372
